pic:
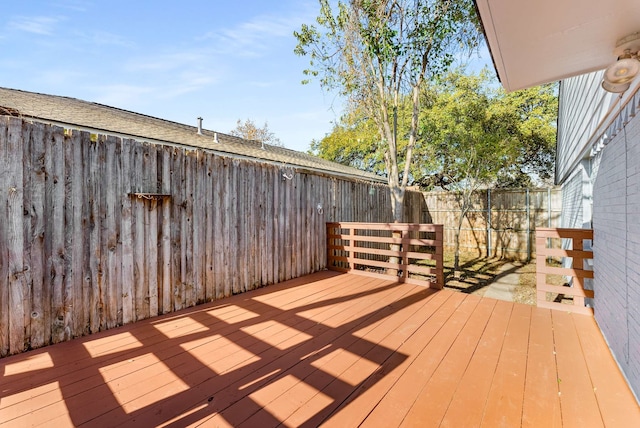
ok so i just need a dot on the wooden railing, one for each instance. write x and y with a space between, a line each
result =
555 296
410 253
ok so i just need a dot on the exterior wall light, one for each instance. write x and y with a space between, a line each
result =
618 76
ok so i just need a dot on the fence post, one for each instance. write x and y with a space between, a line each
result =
549 207
528 227
488 223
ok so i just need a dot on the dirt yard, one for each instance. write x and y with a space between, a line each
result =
478 272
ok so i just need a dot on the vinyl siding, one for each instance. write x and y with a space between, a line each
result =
583 106
573 200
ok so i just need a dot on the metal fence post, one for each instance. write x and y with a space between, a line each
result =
488 223
528 227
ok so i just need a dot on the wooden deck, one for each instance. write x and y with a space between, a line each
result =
335 349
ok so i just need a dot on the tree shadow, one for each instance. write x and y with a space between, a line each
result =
478 273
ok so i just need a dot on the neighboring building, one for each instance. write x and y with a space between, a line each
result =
101 119
598 145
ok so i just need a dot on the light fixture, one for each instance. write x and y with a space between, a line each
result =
623 70
618 76
616 88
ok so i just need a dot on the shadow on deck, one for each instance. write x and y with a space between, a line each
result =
329 348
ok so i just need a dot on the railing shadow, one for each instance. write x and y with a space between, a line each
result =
473 279
79 370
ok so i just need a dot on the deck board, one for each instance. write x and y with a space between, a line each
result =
609 385
505 398
469 401
577 399
328 349
541 405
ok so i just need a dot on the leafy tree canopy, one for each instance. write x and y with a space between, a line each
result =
379 54
470 131
354 141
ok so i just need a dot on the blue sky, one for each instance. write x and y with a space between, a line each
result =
176 60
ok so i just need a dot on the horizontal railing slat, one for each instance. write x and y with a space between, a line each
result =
354 246
577 273
561 289
577 254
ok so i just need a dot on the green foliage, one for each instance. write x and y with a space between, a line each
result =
470 132
379 54
535 112
467 138
354 141
475 135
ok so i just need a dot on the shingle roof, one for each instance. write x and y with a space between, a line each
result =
99 118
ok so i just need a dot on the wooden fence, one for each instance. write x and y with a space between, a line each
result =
368 249
100 231
501 223
572 250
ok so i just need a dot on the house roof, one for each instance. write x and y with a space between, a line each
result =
541 41
99 118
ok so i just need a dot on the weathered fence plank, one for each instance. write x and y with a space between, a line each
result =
127 235
15 239
35 203
166 225
139 257
26 230
151 228
81 252
176 229
78 237
208 234
218 248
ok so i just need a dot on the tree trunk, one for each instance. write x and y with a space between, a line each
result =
397 209
397 202
456 254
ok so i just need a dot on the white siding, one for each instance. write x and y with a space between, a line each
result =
576 198
583 106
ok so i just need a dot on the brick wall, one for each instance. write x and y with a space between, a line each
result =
616 223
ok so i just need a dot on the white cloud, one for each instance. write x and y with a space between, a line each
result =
188 81
57 77
264 84
74 5
120 95
168 61
105 38
254 37
42 25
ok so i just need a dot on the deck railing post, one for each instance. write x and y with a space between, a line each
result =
352 243
404 249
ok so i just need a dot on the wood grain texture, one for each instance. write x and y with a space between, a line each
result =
85 249
329 350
